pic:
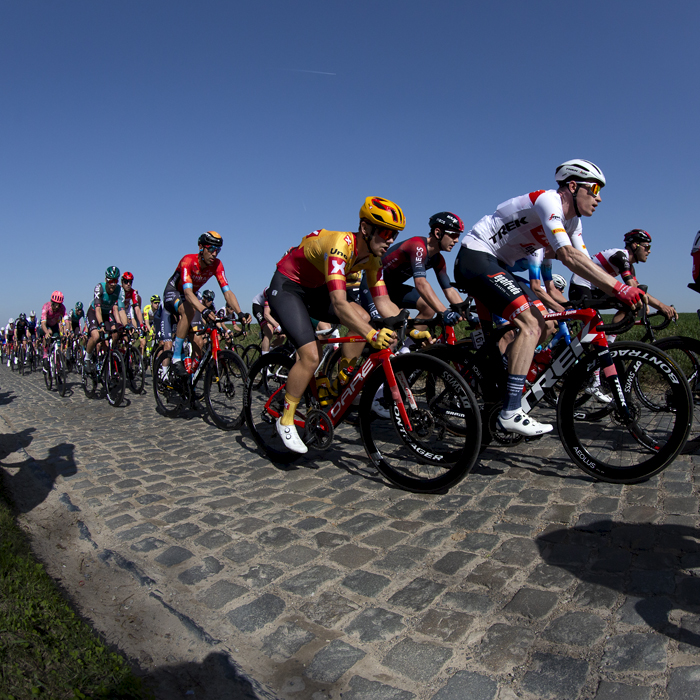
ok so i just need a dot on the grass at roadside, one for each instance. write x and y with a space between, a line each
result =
46 651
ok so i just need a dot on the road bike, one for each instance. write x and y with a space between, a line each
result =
222 373
108 370
631 438
133 360
429 443
55 369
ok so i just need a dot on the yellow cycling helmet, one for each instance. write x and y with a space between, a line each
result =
384 213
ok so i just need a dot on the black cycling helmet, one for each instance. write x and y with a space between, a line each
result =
208 295
447 221
637 235
210 238
23 317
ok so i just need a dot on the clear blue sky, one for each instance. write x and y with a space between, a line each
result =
130 127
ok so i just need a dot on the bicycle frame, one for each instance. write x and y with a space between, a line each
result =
359 377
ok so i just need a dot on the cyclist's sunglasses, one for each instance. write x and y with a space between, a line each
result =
454 235
592 187
386 233
109 280
212 248
646 246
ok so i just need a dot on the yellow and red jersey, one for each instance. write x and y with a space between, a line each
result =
330 257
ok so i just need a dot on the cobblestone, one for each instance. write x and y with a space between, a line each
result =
528 579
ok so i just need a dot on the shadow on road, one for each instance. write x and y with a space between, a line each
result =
656 566
33 479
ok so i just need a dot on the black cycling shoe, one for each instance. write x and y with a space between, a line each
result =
180 368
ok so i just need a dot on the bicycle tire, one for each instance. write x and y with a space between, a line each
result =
263 402
599 442
21 360
251 355
61 373
433 456
135 371
13 360
90 380
48 375
114 377
224 389
171 391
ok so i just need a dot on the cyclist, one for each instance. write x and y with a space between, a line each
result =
51 314
9 339
311 281
132 307
180 297
620 261
77 315
104 312
413 257
270 331
149 312
525 224
21 332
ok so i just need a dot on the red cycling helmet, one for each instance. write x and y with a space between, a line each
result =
127 277
57 297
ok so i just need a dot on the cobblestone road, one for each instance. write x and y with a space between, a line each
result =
526 580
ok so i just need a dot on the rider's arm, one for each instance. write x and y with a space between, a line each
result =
191 298
349 315
270 318
428 294
667 311
545 296
579 263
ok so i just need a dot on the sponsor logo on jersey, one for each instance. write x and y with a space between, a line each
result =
555 217
348 240
337 266
507 228
558 230
420 252
338 253
506 284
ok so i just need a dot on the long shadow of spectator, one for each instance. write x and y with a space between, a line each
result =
33 481
656 566
216 677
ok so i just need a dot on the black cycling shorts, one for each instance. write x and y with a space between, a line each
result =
404 295
93 324
578 292
482 277
293 306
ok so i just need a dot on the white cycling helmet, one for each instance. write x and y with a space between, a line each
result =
11 321
559 282
580 171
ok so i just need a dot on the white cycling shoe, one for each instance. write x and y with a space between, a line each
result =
381 410
598 395
290 438
522 424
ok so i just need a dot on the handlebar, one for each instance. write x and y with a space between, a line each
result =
608 303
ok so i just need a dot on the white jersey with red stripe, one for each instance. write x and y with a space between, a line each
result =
524 224
615 261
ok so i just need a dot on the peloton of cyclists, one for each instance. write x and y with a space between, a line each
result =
525 224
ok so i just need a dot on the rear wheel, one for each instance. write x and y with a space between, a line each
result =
251 355
114 376
264 403
171 391
224 389
445 436
48 375
611 445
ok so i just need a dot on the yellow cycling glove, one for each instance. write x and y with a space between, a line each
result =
380 339
419 335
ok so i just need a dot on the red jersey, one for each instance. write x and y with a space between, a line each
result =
190 274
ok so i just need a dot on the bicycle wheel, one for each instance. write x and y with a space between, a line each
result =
135 372
685 352
264 402
114 377
60 372
48 375
445 436
601 441
172 392
251 355
224 389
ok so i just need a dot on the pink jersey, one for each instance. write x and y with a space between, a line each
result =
49 316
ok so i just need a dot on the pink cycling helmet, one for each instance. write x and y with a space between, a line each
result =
57 297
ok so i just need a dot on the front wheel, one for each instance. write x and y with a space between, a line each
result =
171 391
60 372
619 446
224 388
264 403
251 355
135 371
48 375
114 377
442 443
